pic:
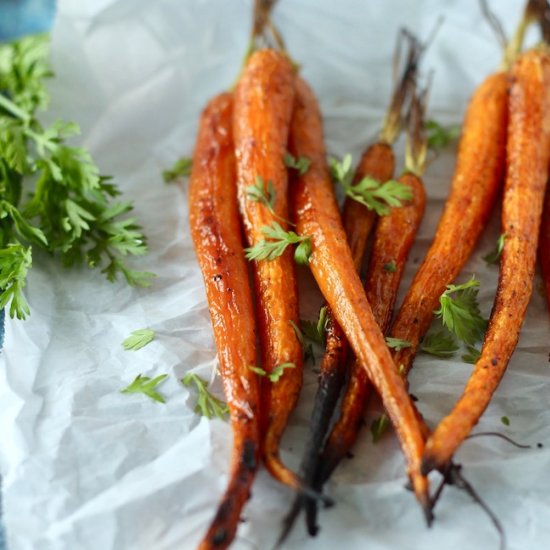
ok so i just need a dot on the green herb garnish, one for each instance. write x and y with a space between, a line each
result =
440 344
316 330
439 136
369 192
279 240
146 385
207 404
494 257
300 164
51 194
472 356
397 343
459 311
379 427
138 339
390 267
275 374
180 169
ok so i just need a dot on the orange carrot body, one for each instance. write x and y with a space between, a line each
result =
476 182
263 108
528 152
316 213
394 236
216 233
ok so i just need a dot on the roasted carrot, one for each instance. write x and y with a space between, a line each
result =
216 233
377 163
316 214
393 239
263 106
528 154
476 182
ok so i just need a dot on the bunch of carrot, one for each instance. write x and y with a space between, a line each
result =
260 173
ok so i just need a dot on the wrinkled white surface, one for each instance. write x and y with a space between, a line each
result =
88 468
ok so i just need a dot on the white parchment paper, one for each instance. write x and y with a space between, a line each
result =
85 467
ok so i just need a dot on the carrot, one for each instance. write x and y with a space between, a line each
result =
263 107
528 154
378 163
316 213
216 233
476 182
394 236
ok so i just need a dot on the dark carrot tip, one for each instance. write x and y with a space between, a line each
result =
316 495
429 463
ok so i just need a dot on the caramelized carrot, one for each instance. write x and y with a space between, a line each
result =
378 163
394 237
316 213
528 154
216 233
263 108
476 182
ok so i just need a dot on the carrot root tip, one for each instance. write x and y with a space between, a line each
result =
428 464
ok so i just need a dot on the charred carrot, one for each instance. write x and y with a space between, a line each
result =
476 182
216 233
377 163
394 236
263 106
316 213
528 152
393 239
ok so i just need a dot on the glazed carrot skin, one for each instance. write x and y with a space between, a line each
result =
377 162
394 236
316 213
476 182
263 107
216 233
528 152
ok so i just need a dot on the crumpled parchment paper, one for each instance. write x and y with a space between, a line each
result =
86 467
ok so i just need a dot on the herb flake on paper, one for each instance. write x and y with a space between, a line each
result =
147 386
138 339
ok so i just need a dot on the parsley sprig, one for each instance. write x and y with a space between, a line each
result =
180 169
52 195
279 240
472 355
439 136
494 257
459 311
262 192
138 339
379 427
207 404
300 164
316 330
275 375
440 344
376 196
397 343
147 386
